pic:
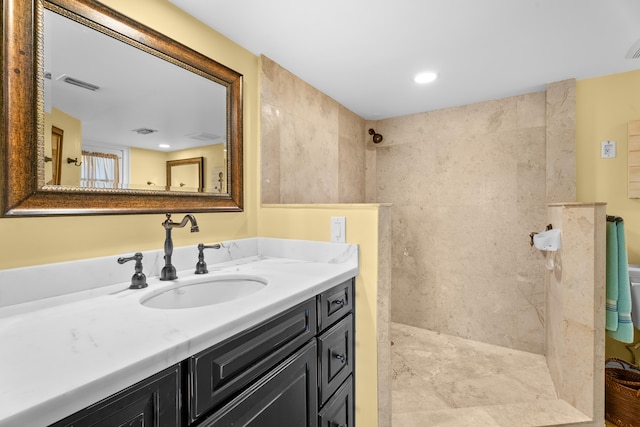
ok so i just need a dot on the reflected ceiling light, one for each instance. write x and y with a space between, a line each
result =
164 146
423 78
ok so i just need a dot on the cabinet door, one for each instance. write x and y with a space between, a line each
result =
217 374
338 412
286 396
335 355
152 402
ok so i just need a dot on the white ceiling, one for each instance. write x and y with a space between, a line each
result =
365 53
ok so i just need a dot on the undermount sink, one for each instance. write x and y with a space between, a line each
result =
205 291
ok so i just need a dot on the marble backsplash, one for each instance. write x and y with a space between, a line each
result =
87 277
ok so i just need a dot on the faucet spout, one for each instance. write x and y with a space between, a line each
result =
169 224
168 272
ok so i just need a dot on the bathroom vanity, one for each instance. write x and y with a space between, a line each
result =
282 355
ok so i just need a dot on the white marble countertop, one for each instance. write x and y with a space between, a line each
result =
65 352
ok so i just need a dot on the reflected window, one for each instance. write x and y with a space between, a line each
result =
100 170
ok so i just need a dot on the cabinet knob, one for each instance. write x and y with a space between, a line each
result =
340 357
338 302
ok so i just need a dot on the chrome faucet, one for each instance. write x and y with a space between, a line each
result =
169 271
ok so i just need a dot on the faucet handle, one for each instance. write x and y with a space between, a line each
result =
138 280
201 266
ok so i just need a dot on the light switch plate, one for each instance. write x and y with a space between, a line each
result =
338 229
608 149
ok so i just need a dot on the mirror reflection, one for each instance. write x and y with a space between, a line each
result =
185 174
125 114
54 146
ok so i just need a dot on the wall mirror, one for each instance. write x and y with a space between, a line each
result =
129 101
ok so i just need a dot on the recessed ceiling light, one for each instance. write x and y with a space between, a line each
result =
425 77
164 146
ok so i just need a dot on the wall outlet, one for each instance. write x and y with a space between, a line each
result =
608 149
338 229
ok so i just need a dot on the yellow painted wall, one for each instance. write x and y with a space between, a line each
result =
71 144
147 166
312 222
151 165
604 106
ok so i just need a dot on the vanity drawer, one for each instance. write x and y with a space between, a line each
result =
335 303
335 356
284 397
338 412
217 373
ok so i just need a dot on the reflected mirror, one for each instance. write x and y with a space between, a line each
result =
129 102
185 174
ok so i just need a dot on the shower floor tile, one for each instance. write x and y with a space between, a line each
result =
440 380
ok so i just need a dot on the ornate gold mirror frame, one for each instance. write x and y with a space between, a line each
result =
21 160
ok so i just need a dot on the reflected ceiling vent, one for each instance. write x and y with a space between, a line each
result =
73 81
634 52
203 136
144 131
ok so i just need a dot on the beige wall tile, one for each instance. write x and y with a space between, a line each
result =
468 185
561 141
383 317
574 327
312 148
351 157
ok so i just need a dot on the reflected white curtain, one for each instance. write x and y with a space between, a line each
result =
100 170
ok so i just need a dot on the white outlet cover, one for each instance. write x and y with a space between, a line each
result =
608 149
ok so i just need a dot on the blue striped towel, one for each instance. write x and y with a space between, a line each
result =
618 309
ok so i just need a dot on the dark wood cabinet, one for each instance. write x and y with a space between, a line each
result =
335 355
217 374
295 369
334 304
284 397
338 412
153 402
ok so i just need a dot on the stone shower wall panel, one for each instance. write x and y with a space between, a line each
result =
468 185
312 148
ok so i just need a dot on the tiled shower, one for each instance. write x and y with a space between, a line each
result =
466 186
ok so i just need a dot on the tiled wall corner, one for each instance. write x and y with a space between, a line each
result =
312 148
384 316
561 141
574 324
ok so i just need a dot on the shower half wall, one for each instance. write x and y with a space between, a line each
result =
468 184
